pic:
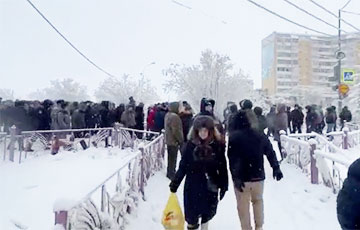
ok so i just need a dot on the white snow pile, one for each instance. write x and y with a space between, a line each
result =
32 190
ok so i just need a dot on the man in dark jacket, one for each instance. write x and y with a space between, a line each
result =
78 120
270 120
139 119
348 200
261 119
247 148
345 115
160 113
229 123
330 119
297 119
173 136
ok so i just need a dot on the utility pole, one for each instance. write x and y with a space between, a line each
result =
339 61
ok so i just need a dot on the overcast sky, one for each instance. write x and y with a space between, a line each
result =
123 36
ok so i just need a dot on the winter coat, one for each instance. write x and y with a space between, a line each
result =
348 200
104 115
60 119
186 120
159 119
281 123
92 117
128 118
151 119
78 119
297 116
17 116
345 115
173 126
270 119
139 117
330 116
245 152
261 123
230 120
204 178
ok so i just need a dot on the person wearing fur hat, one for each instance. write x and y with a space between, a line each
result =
246 151
174 137
207 108
204 166
348 200
246 105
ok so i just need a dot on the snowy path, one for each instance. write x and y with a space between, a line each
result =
28 190
293 203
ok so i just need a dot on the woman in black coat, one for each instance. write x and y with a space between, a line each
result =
348 200
204 165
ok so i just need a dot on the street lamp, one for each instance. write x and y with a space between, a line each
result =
143 75
142 72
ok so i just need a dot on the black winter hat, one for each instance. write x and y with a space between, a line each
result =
203 121
246 104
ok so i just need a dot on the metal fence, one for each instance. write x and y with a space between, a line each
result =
108 204
29 144
318 158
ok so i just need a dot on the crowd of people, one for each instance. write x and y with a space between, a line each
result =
200 139
204 166
61 115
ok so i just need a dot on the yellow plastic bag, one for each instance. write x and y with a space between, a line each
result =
173 218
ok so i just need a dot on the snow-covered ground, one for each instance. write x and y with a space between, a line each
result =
292 203
28 190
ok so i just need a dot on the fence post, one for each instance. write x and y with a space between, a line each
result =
314 170
12 130
142 177
5 138
346 138
116 133
103 198
61 218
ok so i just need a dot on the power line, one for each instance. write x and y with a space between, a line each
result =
349 12
288 20
345 5
201 11
312 15
73 46
320 6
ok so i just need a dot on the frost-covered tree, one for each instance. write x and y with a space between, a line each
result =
213 78
119 90
66 89
7 94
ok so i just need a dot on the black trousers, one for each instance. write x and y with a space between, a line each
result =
172 158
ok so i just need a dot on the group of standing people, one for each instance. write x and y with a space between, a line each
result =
204 164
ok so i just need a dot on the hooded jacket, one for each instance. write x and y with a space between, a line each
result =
173 126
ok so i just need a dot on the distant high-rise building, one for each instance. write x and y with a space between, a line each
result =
294 64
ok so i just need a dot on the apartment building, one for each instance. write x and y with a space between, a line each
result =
296 65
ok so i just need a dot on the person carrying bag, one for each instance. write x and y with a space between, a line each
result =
204 165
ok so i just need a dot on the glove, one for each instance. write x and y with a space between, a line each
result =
173 187
222 193
239 184
277 174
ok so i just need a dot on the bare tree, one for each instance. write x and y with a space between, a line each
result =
120 89
212 78
66 89
7 94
